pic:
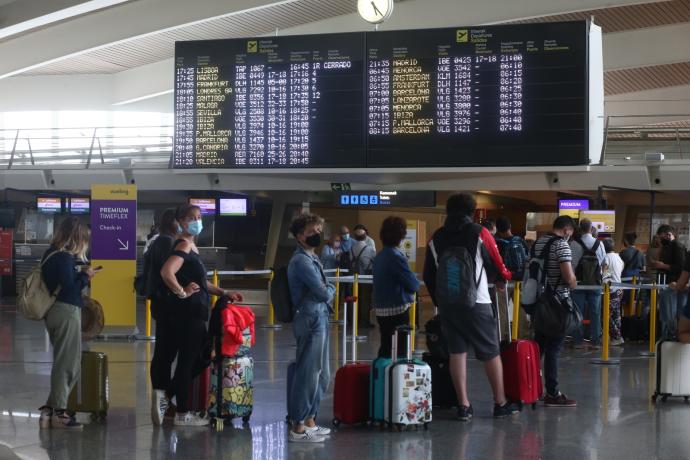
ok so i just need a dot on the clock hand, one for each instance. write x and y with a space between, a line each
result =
376 10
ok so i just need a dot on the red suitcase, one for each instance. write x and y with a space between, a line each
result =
351 391
522 372
521 368
198 392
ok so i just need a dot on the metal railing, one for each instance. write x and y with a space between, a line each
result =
626 140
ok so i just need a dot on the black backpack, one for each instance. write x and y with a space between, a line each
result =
280 296
588 270
456 285
436 340
354 262
514 255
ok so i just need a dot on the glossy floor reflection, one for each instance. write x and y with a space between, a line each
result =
615 418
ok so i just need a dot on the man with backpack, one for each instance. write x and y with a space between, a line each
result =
588 256
513 250
461 258
554 250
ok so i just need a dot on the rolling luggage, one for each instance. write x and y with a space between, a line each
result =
521 369
91 392
351 390
234 387
672 370
377 390
408 397
442 389
198 391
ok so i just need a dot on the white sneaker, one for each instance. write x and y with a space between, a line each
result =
306 437
159 405
617 342
190 419
318 430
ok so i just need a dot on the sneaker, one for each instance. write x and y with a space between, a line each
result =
190 419
617 342
159 406
46 414
560 400
306 437
505 410
465 413
318 430
62 420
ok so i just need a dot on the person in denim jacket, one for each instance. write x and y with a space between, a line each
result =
395 285
312 296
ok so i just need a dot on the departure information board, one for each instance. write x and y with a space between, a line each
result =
513 95
270 102
484 96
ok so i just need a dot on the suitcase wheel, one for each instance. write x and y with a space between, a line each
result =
246 418
336 422
654 397
219 424
426 426
664 398
398 426
287 419
534 406
686 398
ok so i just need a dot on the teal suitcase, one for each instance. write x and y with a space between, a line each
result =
377 389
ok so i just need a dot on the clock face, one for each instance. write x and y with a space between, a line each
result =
375 11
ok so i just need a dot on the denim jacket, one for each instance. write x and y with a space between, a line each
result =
310 291
394 282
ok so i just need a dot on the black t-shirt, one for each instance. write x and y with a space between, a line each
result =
192 271
686 265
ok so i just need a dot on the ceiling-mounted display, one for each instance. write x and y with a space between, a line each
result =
509 95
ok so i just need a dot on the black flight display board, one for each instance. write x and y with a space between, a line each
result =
478 96
508 95
272 102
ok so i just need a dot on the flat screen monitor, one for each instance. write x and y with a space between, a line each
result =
49 204
79 205
233 207
207 205
604 221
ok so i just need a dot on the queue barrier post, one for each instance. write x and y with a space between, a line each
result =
355 312
336 299
652 322
413 322
214 281
516 310
148 325
632 299
271 311
605 333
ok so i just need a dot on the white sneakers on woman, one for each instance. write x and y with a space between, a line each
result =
190 419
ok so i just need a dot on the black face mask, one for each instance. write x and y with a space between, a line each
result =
313 241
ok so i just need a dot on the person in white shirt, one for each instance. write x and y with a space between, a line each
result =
587 298
613 270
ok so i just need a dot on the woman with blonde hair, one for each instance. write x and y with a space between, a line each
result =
63 276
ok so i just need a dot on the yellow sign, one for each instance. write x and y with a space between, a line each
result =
252 46
573 213
461 35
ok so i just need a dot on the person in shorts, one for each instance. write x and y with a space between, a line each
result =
476 325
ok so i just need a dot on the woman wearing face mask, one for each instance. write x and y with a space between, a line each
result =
185 276
312 295
330 254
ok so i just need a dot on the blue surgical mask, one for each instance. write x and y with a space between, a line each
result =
195 227
346 236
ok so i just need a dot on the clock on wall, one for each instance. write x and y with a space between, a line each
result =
375 11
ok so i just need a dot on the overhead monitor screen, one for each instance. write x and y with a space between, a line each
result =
385 198
478 96
49 205
79 205
271 102
233 206
604 221
207 205
508 95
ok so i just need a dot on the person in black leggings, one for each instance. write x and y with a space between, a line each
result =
185 276
165 348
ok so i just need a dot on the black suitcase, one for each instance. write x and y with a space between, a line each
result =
635 328
442 390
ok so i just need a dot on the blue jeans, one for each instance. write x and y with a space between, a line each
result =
312 374
550 350
593 300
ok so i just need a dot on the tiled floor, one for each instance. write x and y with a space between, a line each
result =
615 418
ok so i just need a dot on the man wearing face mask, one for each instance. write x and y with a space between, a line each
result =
312 296
561 278
669 267
345 239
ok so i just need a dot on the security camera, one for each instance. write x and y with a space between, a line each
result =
657 181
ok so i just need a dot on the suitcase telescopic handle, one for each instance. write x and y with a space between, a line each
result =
345 332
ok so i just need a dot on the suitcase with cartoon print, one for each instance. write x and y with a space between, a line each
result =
408 398
234 387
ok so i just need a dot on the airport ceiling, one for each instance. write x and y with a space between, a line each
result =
128 45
